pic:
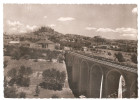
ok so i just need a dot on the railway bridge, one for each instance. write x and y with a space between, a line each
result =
96 78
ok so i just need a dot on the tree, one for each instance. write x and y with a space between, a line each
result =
23 81
24 71
60 58
12 73
21 71
16 54
50 55
37 91
5 63
22 95
10 92
134 58
53 79
120 57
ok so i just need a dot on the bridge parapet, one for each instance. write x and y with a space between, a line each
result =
106 62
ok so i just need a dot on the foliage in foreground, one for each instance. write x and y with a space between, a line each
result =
20 76
53 79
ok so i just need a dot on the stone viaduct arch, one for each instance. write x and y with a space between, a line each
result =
85 76
112 83
133 90
96 75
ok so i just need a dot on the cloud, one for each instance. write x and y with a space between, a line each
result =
31 28
118 30
135 10
90 28
45 17
18 27
128 35
105 30
65 19
52 25
126 30
14 23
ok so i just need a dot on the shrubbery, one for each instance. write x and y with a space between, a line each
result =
109 53
5 63
55 96
134 58
22 95
10 92
120 57
20 76
53 79
30 53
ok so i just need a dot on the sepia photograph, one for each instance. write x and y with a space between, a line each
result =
70 50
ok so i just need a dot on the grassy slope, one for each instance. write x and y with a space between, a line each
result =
36 77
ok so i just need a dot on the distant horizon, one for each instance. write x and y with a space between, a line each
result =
109 21
70 34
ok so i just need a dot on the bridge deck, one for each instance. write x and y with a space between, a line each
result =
126 68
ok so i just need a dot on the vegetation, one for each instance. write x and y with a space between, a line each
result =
55 96
12 73
53 79
29 53
10 92
5 63
119 57
134 58
37 91
109 53
22 95
20 76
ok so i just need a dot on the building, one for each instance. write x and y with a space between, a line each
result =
67 48
84 49
46 44
15 43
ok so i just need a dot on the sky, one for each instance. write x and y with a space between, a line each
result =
109 21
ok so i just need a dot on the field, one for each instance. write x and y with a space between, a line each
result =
36 77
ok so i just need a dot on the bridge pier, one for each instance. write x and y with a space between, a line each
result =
95 81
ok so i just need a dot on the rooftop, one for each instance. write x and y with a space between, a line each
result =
45 41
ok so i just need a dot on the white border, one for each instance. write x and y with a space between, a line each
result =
56 2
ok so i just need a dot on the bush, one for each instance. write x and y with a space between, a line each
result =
10 92
37 91
53 79
5 63
24 71
22 95
12 73
134 58
109 53
120 57
55 96
20 76
16 53
60 58
23 81
12 82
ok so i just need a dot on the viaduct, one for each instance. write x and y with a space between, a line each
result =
96 78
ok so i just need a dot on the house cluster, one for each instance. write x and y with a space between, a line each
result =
41 44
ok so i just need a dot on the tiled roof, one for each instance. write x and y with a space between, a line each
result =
45 41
